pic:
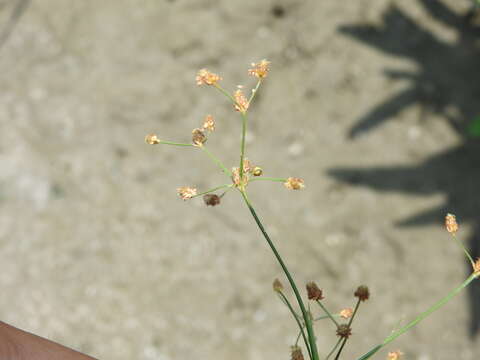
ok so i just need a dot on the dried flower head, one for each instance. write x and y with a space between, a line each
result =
260 70
296 353
451 224
236 176
313 291
186 192
247 166
344 331
257 171
198 137
394 355
152 139
205 77
209 123
241 102
346 313
294 183
362 293
476 267
277 285
211 199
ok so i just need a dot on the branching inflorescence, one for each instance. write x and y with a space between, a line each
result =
239 178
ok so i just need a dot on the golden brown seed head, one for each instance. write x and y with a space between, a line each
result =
344 331
394 355
293 183
296 353
205 77
186 192
277 286
247 166
476 267
241 102
198 137
346 313
362 293
257 171
152 139
260 70
451 224
211 199
313 291
209 123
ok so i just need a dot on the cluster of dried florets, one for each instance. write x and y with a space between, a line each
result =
314 293
239 175
205 77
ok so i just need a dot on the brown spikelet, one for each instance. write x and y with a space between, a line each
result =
313 291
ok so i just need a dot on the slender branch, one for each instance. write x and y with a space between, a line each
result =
254 91
334 348
174 143
323 317
327 312
464 250
306 317
285 300
242 145
267 178
349 325
420 317
226 93
214 189
216 161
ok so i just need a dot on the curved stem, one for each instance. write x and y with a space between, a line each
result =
306 317
216 161
420 317
285 300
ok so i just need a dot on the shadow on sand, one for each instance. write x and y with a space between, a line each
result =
448 78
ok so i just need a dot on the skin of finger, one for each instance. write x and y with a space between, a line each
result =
16 344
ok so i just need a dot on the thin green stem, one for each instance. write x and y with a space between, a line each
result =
420 317
254 91
306 317
323 317
267 178
349 325
334 348
214 189
285 303
216 161
242 144
327 312
174 143
285 300
226 93
464 249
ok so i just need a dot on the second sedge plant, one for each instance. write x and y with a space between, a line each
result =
239 178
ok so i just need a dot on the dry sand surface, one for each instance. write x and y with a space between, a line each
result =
99 253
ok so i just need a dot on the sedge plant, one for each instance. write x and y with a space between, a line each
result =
239 178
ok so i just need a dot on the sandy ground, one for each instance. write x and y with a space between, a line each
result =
98 252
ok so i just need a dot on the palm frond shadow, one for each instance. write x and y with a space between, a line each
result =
448 77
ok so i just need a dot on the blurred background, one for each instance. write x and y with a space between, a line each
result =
375 103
